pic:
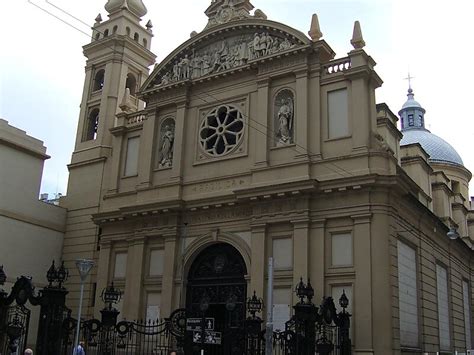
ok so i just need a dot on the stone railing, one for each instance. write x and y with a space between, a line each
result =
337 66
135 119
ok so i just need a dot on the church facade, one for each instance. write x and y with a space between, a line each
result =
249 141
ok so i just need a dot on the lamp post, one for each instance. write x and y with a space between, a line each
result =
84 266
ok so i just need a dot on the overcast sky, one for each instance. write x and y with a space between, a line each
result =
42 65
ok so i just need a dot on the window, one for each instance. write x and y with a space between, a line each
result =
120 268
131 84
106 33
145 43
99 80
407 296
443 307
128 31
136 37
91 126
341 245
156 262
411 121
338 113
283 253
422 123
221 130
131 159
114 30
467 314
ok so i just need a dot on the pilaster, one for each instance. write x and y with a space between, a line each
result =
145 163
102 275
258 261
134 276
179 146
301 119
167 293
363 316
260 135
300 250
316 262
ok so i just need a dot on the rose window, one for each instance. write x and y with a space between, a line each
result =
221 130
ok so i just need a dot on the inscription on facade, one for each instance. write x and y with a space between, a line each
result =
220 215
218 185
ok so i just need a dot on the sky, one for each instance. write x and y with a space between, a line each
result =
42 65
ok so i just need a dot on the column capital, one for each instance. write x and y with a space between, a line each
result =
301 223
318 223
258 227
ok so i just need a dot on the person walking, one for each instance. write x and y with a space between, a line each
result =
28 352
80 349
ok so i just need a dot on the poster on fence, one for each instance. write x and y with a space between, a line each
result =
281 314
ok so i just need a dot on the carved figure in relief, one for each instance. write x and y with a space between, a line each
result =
229 53
166 147
285 120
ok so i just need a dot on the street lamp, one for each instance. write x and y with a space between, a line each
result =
84 266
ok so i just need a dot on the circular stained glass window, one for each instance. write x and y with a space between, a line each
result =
221 130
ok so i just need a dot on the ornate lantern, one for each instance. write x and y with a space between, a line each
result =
343 301
111 295
254 304
301 290
62 274
52 274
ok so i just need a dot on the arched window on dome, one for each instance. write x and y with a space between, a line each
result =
136 37
411 121
422 120
131 84
99 80
91 125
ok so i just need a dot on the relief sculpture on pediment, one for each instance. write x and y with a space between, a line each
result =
229 53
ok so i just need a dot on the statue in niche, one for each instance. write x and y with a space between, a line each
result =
166 147
285 116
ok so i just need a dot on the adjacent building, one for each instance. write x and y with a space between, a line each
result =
251 140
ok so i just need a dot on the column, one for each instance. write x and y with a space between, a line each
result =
260 141
317 265
258 261
132 307
167 289
302 117
362 321
103 268
145 156
179 141
314 115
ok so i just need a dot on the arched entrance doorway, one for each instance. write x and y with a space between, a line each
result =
217 289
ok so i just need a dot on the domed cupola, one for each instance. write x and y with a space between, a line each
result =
412 114
412 117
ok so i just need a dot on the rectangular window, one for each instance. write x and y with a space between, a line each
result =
156 262
407 296
338 113
443 307
467 314
131 159
283 253
411 121
341 245
120 268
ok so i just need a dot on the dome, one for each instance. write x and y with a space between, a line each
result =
411 102
438 149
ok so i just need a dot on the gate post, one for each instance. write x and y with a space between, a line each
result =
305 315
52 300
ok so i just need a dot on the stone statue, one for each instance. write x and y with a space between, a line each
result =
285 121
166 147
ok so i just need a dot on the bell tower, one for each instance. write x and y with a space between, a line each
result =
118 61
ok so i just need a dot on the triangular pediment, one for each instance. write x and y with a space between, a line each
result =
225 48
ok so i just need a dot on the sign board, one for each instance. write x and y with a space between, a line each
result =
210 337
194 324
